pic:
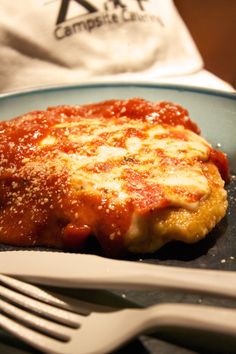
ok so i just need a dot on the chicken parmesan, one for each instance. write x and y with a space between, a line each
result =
131 173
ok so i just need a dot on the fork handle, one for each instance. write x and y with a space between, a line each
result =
217 320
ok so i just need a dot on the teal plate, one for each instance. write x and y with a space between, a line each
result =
215 113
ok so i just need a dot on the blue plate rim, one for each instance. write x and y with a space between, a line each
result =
148 85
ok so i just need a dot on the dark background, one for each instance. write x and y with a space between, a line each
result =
212 24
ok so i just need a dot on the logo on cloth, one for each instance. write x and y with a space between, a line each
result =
89 16
90 8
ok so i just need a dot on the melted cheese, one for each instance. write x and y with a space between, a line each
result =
163 156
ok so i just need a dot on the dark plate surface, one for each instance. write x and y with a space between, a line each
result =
215 113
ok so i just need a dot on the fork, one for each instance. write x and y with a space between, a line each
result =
61 325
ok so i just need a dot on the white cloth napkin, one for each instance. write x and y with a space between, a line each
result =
66 42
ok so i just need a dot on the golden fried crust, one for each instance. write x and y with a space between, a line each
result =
182 224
